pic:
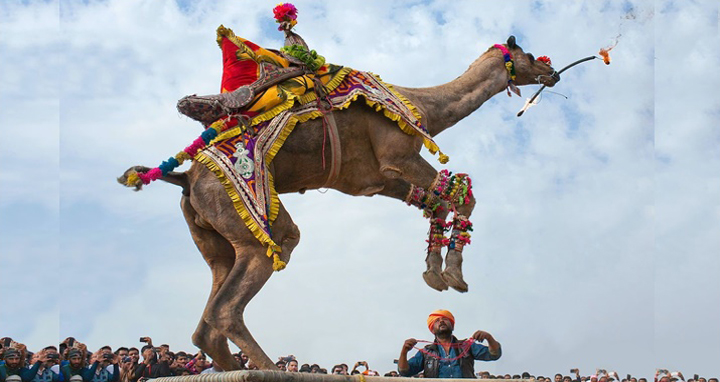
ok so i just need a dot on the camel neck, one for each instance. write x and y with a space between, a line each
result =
445 105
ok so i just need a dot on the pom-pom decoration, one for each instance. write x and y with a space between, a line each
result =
545 59
285 15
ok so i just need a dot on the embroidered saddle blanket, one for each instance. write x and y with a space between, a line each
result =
240 157
251 137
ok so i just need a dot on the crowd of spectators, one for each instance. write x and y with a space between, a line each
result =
71 361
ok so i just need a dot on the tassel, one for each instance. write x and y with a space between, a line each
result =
133 180
443 158
278 265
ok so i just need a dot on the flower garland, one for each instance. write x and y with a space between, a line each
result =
310 58
285 15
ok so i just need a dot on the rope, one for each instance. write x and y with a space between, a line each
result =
465 346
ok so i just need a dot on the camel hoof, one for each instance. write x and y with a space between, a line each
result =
435 281
455 281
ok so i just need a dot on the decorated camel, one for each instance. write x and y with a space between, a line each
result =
355 149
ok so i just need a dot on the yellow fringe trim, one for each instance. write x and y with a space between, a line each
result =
238 203
330 86
278 265
429 143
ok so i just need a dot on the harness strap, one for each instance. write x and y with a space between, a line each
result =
329 126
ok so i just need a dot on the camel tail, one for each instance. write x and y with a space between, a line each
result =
130 178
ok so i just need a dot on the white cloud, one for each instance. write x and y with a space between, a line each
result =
582 238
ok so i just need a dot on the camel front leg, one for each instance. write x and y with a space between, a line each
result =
445 192
437 212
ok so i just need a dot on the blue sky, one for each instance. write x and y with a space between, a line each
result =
597 219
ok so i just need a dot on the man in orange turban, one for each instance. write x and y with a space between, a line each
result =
447 357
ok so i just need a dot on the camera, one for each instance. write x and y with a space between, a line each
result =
53 356
127 359
107 356
574 371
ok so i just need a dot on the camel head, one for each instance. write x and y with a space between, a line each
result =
530 70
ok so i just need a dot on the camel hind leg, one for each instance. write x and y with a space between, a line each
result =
251 270
220 257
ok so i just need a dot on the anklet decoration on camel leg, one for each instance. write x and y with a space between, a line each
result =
460 236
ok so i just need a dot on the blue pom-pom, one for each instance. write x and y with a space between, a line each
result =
168 165
208 135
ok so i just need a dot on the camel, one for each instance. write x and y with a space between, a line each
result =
377 159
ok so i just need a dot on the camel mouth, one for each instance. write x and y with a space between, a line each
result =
549 80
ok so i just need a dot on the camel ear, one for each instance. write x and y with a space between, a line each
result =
511 42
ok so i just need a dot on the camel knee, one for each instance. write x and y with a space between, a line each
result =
203 338
468 207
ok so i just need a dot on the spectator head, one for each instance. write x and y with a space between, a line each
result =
338 369
593 378
713 380
314 368
13 358
106 349
558 377
75 357
244 358
251 365
305 368
701 379
180 371
441 322
508 376
484 374
642 380
392 373
633 379
122 352
281 365
346 368
567 379
525 375
516 376
181 358
134 354
292 366
165 346
355 371
583 378
149 353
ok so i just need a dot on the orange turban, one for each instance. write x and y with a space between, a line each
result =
434 316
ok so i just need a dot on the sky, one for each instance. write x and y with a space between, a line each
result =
597 224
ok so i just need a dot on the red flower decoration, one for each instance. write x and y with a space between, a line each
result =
545 59
285 12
